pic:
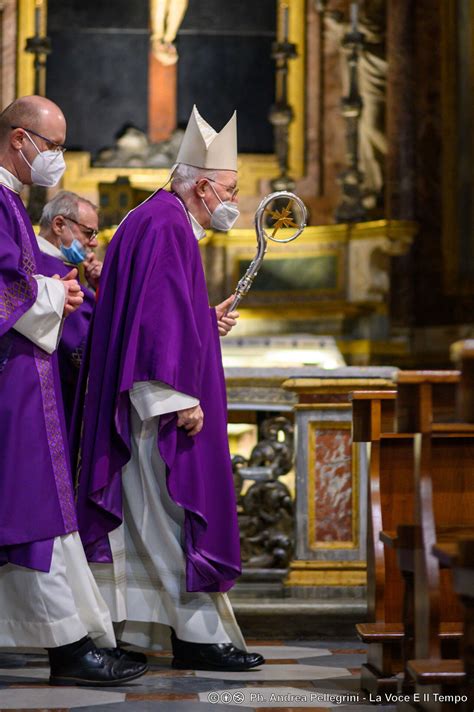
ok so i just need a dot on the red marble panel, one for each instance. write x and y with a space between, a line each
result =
333 485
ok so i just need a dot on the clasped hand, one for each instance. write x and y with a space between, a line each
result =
92 270
72 289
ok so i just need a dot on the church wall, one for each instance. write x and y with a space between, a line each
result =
427 306
441 312
325 127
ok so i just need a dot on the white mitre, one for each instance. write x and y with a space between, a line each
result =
203 147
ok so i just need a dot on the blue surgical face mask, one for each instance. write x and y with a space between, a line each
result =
75 253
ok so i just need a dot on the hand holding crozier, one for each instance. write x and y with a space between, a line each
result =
226 321
281 209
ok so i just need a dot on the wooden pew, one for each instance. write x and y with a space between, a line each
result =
462 354
391 503
447 685
390 494
444 482
444 485
459 557
426 396
426 400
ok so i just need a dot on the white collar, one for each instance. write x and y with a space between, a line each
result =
198 229
10 181
49 249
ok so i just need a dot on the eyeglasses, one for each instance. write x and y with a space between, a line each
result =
89 232
233 190
52 145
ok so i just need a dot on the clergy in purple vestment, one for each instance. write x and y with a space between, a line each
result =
67 238
48 597
156 502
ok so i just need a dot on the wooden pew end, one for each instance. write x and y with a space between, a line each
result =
437 672
380 632
384 656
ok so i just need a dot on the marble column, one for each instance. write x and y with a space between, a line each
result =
8 21
400 179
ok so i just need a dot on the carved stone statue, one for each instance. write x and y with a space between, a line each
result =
133 149
372 80
166 17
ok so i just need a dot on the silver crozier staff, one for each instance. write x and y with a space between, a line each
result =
293 215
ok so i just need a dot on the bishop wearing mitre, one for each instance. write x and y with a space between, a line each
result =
156 502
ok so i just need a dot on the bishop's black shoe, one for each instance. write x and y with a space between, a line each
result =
208 656
92 666
120 652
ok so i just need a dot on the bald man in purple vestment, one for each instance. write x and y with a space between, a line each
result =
48 597
156 502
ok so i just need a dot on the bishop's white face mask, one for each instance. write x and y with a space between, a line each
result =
47 168
225 215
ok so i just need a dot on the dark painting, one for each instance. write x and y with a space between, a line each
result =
225 62
98 70
295 274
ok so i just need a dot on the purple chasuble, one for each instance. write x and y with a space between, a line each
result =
73 336
36 496
152 322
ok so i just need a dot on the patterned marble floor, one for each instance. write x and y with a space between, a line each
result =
299 674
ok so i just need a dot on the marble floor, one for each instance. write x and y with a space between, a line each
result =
319 675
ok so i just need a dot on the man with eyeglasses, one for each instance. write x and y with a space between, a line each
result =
48 597
69 226
68 236
156 499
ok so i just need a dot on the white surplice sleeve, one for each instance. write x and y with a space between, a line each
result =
152 398
41 324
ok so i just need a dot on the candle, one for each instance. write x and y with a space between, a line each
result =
285 23
354 14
